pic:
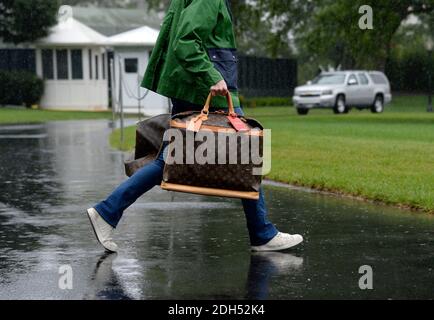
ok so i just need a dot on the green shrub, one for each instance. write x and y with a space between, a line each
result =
410 72
20 88
265 102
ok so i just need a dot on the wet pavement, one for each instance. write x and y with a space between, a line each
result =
178 246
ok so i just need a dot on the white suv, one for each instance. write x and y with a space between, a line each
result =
342 90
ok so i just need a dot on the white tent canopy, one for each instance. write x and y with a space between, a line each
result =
144 36
72 32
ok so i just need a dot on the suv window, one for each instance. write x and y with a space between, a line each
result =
353 77
363 79
378 78
329 79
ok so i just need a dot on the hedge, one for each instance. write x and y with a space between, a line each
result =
20 88
410 73
265 102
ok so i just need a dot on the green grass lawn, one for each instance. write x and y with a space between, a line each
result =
387 157
21 115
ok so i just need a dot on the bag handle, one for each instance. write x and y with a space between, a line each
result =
196 123
232 113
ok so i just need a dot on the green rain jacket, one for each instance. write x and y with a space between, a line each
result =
195 50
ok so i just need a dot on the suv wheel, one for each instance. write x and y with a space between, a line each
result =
302 111
378 106
340 106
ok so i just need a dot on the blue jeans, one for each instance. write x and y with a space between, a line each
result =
111 210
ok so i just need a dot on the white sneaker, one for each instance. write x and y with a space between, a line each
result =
280 242
103 231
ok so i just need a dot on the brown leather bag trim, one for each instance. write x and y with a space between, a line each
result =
210 191
177 125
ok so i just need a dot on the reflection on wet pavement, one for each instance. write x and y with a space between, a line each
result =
180 246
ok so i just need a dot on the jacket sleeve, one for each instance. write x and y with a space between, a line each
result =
195 25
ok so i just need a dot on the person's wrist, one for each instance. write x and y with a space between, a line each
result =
212 78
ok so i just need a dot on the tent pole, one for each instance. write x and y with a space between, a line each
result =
121 102
113 90
138 98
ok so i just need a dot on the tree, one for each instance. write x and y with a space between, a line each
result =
252 28
160 5
26 21
140 4
329 29
317 31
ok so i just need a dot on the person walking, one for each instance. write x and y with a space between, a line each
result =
195 53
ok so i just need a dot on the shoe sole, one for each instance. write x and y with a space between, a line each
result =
96 234
286 247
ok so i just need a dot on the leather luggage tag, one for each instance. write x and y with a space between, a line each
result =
194 125
238 124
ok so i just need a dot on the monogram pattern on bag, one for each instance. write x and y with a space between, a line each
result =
237 177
